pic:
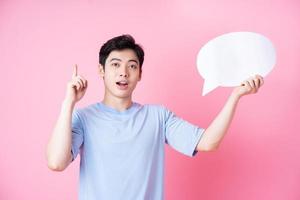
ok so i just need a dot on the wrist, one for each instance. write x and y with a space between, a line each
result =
69 103
236 94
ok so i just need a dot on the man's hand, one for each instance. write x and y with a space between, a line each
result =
249 86
76 87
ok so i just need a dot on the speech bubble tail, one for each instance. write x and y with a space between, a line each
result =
208 87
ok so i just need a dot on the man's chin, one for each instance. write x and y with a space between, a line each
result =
123 94
115 92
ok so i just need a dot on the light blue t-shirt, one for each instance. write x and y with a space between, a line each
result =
122 153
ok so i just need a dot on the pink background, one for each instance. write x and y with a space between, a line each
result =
41 41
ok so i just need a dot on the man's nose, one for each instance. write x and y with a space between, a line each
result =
124 71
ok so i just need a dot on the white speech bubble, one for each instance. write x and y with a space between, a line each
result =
231 58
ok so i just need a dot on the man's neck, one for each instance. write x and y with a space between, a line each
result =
119 104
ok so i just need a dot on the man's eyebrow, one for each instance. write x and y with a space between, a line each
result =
115 59
133 60
118 59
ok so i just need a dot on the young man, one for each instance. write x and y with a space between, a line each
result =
121 143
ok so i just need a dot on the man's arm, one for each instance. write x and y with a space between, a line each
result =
215 132
59 146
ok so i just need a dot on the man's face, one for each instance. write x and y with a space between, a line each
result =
121 74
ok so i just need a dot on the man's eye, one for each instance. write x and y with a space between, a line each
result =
133 66
115 64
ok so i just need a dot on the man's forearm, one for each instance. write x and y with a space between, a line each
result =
59 146
217 129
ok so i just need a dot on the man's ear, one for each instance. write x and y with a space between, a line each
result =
101 70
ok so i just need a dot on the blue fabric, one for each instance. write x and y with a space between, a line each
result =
122 153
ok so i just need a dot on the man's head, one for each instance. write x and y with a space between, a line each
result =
120 66
120 43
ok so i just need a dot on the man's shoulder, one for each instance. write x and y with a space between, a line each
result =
86 109
155 107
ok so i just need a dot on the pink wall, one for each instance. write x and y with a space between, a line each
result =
40 43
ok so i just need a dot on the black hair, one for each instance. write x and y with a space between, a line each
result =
119 43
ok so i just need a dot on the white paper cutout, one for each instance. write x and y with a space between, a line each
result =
231 58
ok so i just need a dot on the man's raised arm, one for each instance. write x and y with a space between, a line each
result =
59 146
215 132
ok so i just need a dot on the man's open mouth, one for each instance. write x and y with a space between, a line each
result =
122 83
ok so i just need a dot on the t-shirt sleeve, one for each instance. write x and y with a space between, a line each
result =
181 135
77 134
